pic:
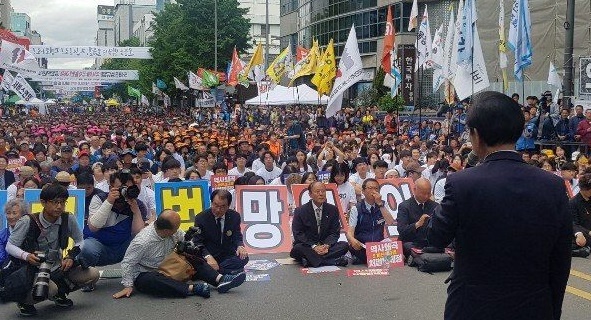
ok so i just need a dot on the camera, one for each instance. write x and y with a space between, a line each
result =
188 248
129 192
41 283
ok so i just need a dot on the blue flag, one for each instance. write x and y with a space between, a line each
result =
466 35
161 84
520 37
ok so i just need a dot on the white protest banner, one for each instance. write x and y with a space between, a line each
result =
85 75
393 192
43 51
70 88
21 87
473 79
15 57
73 83
7 80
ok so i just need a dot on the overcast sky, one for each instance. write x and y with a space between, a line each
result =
63 22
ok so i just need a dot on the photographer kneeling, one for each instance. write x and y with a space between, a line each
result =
39 240
149 249
113 220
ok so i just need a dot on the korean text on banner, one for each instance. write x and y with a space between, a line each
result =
44 51
188 198
384 254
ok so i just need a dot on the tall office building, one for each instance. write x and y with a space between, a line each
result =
5 11
20 24
257 13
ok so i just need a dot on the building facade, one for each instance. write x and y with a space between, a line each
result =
20 24
5 11
126 16
304 20
257 13
144 29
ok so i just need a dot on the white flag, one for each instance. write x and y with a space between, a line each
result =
424 45
179 85
553 77
414 15
15 57
449 68
438 59
144 101
350 72
195 82
468 82
7 80
21 87
454 49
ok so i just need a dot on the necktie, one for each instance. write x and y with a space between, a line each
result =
218 222
318 212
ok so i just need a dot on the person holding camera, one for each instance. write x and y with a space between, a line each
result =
151 246
113 220
38 240
218 231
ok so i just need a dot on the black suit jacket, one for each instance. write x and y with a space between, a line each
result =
208 234
513 236
305 229
581 213
409 213
8 178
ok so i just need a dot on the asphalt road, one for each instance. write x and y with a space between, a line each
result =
405 294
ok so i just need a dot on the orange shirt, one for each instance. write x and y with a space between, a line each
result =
275 147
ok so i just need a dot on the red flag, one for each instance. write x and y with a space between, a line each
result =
236 68
5 34
301 53
388 43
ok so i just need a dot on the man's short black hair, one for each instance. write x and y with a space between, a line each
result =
222 193
85 179
368 180
140 147
171 163
54 191
496 117
380 164
218 166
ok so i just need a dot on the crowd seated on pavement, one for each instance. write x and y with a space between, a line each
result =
271 145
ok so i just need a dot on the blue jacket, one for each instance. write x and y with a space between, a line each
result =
527 139
370 225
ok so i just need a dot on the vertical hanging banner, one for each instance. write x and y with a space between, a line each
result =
188 198
265 218
75 204
407 57
21 87
585 76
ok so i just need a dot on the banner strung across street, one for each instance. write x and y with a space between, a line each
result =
84 75
43 51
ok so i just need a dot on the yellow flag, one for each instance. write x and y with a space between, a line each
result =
326 71
257 59
280 65
307 66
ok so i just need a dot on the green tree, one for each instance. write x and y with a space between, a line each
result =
388 104
120 89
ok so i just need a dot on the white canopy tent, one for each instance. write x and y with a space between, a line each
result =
281 95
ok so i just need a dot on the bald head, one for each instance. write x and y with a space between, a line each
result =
422 190
168 220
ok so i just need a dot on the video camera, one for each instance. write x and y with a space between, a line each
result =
193 252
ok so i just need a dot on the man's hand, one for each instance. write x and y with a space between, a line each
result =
321 249
580 240
422 221
241 252
133 204
356 244
378 198
113 195
126 292
32 259
212 263
67 264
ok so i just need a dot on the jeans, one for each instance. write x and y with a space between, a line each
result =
95 254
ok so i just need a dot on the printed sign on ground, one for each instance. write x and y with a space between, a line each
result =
188 198
384 254
265 217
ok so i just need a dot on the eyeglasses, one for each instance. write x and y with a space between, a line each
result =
58 202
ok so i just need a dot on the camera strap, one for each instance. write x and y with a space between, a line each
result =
35 228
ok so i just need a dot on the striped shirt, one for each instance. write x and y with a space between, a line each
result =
145 253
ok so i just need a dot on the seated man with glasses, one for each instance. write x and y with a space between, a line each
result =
113 220
367 221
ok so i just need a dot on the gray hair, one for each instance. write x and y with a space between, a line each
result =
17 203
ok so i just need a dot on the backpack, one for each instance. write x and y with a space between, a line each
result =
17 276
430 262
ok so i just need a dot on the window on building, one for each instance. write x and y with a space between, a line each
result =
264 30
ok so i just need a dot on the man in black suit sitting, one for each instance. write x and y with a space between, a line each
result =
316 230
219 232
413 216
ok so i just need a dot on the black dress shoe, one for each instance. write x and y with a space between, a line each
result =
305 263
341 261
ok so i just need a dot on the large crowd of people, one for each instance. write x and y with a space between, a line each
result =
111 154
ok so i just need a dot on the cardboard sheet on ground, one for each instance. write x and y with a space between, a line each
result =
188 198
367 272
260 265
325 269
286 261
265 218
252 277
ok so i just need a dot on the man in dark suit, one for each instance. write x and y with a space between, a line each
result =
414 215
580 208
510 222
218 230
316 230
7 175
